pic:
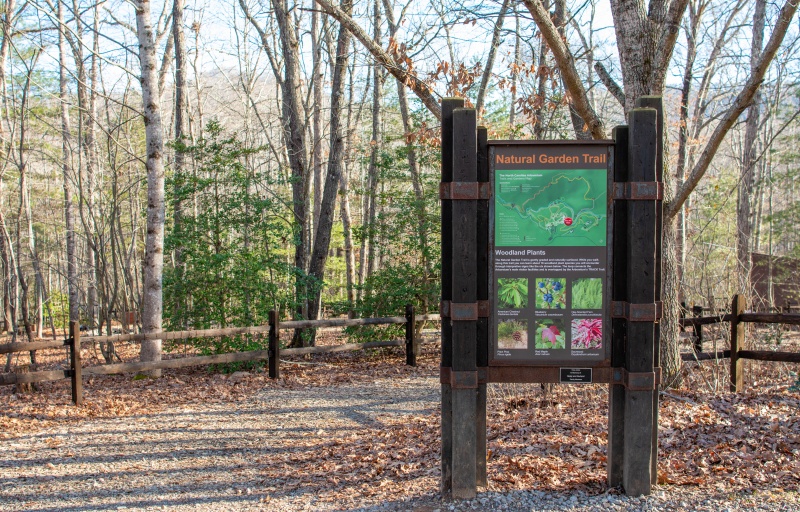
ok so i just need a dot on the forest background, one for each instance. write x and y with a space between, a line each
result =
201 163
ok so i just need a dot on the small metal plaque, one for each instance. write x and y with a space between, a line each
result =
576 375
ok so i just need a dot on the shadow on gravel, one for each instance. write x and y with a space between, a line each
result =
319 446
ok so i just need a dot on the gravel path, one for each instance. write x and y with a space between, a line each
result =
225 457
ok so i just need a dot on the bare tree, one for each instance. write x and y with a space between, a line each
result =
333 177
744 222
645 41
369 244
181 131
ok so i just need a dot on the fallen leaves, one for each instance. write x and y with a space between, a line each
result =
555 440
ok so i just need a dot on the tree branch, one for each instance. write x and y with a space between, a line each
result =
405 76
743 100
612 86
669 34
487 71
566 64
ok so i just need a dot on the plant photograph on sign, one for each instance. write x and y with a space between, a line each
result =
587 293
512 334
551 293
550 334
512 293
587 333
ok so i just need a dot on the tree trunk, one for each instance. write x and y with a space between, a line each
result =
683 141
181 112
294 130
316 120
24 211
152 306
7 270
487 70
327 209
580 128
744 223
344 192
411 156
86 160
541 87
376 144
512 109
5 247
406 76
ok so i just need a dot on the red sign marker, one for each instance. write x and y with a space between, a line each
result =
568 221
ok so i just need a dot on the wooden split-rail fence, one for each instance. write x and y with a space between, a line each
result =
737 353
737 319
271 355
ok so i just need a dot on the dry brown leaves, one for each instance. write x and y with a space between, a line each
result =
709 438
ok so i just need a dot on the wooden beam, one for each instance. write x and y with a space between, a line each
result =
768 355
737 342
183 362
482 357
76 363
706 356
411 337
619 292
448 106
7 379
342 322
232 331
641 255
274 346
706 320
348 347
771 318
464 290
657 103
11 348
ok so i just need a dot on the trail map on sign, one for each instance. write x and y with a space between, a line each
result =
550 207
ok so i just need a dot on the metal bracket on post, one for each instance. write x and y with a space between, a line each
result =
637 312
638 191
637 381
464 191
458 380
464 311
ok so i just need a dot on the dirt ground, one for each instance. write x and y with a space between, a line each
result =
710 440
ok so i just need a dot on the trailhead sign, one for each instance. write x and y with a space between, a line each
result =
551 273
549 255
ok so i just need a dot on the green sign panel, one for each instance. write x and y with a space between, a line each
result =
541 208
549 258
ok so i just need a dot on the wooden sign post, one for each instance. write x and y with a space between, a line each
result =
551 273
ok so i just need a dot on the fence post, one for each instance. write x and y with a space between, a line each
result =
411 339
75 362
737 342
274 346
683 316
697 312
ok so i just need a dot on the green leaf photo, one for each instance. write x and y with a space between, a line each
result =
512 293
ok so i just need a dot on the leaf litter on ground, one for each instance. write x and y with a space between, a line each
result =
552 438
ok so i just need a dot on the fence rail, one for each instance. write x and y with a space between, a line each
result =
737 319
272 355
